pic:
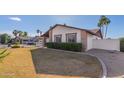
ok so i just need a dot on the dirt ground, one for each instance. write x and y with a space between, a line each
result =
57 62
45 63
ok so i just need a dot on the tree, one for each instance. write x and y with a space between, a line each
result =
107 23
5 38
15 33
25 34
103 24
38 32
18 34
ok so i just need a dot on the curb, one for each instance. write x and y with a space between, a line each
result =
104 74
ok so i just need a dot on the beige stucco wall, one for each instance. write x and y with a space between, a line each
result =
90 40
47 39
108 44
64 30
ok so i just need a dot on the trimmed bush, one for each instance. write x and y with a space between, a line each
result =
77 47
16 45
122 44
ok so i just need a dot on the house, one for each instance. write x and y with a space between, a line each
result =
39 41
28 40
64 33
24 40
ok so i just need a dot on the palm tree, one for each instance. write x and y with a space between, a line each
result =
103 23
15 33
107 23
20 33
25 34
100 25
38 32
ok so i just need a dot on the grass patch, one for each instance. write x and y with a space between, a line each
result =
17 64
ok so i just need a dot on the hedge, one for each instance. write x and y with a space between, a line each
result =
16 45
122 44
77 47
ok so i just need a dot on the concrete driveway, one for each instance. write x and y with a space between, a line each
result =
3 46
113 60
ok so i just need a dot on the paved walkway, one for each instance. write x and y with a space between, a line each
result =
114 61
3 46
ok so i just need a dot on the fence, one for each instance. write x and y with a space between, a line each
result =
108 44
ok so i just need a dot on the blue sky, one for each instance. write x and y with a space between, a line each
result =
32 23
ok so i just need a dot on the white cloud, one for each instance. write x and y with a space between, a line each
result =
15 18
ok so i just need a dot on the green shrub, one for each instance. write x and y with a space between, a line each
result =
66 46
16 45
122 44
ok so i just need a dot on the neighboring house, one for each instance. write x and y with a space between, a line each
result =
28 40
63 33
39 41
25 40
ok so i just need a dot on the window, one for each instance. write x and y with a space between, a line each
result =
57 38
71 37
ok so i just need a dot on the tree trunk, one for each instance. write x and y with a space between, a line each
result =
103 31
106 31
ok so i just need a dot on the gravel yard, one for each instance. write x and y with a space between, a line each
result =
57 62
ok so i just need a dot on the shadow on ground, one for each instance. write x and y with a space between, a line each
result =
48 61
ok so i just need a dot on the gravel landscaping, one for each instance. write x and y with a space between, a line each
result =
57 62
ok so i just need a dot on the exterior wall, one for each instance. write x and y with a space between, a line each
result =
47 40
90 40
107 44
84 39
50 36
63 31
40 42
